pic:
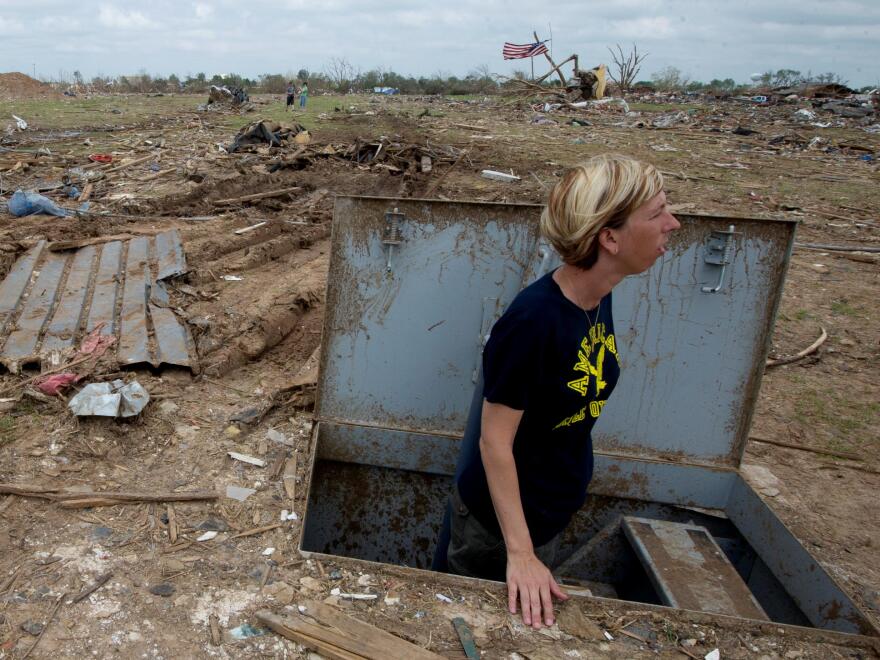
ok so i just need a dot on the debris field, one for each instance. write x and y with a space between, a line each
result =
195 242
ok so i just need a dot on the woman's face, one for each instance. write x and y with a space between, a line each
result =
642 238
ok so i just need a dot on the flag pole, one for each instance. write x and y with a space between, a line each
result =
532 59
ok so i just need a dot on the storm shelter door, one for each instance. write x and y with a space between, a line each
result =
692 334
413 289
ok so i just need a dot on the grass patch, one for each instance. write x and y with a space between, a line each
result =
7 428
843 308
276 110
78 113
802 315
845 417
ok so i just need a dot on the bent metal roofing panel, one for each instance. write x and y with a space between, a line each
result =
49 300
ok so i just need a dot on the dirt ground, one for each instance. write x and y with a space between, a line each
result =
256 339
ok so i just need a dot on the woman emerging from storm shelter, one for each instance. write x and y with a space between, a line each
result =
549 367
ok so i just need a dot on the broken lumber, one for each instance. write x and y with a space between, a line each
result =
815 450
471 127
554 67
59 246
800 355
245 230
341 635
28 491
255 196
136 161
837 248
45 626
289 478
256 530
75 500
88 500
436 184
100 582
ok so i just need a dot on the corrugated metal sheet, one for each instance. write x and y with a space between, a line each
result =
49 300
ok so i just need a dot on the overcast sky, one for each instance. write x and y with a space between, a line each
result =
703 38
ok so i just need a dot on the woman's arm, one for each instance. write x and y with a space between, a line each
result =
528 579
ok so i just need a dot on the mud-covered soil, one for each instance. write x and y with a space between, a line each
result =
257 335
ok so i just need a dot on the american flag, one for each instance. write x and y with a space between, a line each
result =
519 51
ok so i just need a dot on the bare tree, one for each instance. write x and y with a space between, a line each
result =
340 73
670 79
627 66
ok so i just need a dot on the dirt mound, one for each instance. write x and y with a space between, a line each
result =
14 86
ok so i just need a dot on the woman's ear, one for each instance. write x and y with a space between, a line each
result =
608 240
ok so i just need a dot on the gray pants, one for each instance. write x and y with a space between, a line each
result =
474 551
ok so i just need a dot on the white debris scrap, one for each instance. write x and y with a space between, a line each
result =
238 493
499 176
244 458
335 591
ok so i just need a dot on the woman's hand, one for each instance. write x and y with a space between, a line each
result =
532 583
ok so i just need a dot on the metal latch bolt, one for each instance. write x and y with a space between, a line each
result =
392 233
719 253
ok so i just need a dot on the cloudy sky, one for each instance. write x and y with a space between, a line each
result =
703 38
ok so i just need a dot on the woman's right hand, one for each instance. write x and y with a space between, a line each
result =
531 583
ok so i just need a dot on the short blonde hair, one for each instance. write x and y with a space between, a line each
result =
601 192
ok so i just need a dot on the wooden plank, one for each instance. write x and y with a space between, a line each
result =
255 196
385 644
105 295
68 315
689 570
345 632
22 341
134 345
298 630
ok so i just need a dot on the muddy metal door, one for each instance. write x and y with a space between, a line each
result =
413 289
693 333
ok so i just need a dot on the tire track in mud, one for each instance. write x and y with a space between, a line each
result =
278 306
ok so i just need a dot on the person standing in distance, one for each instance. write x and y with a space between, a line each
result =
549 366
291 93
304 95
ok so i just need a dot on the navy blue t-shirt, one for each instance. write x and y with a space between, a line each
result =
543 357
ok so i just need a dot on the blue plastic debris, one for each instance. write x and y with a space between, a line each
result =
25 203
246 630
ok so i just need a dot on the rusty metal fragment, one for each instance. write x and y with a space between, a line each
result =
103 308
22 341
134 337
15 284
69 312
49 300
169 255
172 338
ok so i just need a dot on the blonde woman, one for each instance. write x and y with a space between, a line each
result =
549 367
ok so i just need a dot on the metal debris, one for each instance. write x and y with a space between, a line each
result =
116 399
44 297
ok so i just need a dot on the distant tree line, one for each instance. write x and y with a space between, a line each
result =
339 76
